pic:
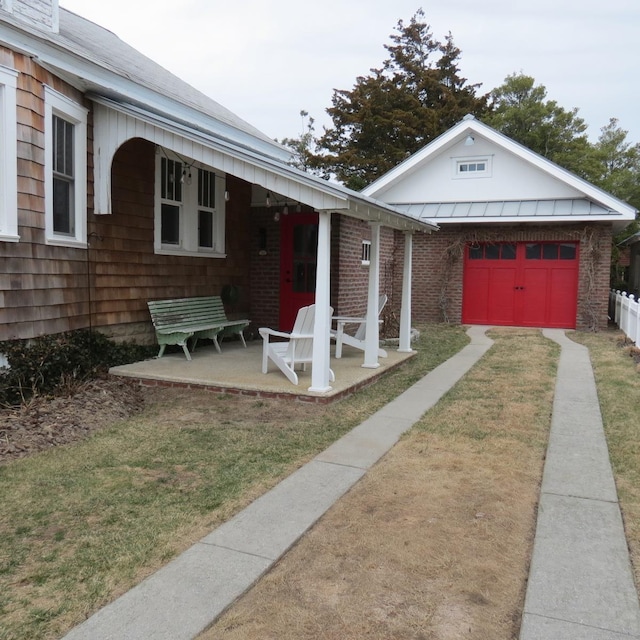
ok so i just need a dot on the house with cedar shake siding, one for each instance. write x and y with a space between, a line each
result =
120 184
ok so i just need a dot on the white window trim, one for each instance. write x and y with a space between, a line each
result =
189 240
466 175
60 105
8 156
366 253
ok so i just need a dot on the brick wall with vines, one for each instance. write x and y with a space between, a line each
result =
438 266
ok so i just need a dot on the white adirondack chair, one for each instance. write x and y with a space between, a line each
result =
358 339
296 350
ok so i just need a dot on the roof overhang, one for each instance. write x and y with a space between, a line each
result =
634 239
558 211
117 122
85 72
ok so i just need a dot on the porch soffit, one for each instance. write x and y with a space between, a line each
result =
115 123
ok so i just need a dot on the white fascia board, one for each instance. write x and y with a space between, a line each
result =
387 217
89 76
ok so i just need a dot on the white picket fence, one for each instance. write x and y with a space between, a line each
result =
624 310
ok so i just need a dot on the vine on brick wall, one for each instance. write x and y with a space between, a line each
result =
591 248
390 327
452 254
591 255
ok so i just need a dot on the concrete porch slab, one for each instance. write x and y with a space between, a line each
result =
238 370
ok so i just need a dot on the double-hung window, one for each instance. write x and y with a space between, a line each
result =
66 170
8 157
190 208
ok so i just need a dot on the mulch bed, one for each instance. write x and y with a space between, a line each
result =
45 422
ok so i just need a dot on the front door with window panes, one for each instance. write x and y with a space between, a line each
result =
298 260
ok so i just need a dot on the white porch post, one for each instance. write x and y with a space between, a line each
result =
320 364
372 334
404 345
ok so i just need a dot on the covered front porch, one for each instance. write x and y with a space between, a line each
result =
238 371
274 234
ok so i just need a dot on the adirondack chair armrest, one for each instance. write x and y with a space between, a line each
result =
348 320
265 332
281 334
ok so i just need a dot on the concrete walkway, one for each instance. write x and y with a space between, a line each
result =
581 584
187 595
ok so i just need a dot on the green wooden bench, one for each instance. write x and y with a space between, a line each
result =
175 321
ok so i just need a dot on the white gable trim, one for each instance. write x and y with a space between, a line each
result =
470 126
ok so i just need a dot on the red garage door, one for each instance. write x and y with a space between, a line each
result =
527 284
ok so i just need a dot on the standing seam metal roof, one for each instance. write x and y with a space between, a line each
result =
561 208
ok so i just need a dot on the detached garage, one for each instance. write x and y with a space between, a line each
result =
522 242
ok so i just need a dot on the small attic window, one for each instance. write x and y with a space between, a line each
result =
472 167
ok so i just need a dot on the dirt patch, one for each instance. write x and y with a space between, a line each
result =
46 422
432 544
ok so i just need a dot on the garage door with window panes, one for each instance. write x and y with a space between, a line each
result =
529 284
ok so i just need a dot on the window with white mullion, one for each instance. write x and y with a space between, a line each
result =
476 167
63 177
65 170
206 208
190 208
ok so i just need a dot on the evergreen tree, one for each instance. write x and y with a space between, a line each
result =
415 96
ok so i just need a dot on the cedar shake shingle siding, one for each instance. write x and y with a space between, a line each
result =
50 289
42 287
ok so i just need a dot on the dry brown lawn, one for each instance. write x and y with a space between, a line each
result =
435 541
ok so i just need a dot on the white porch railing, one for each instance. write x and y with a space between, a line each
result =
624 310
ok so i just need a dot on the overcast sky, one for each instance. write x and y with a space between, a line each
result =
266 60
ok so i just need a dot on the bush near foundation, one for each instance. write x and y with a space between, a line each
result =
55 363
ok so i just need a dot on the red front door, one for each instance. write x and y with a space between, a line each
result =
298 257
530 284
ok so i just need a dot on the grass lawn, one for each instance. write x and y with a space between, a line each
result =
81 524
